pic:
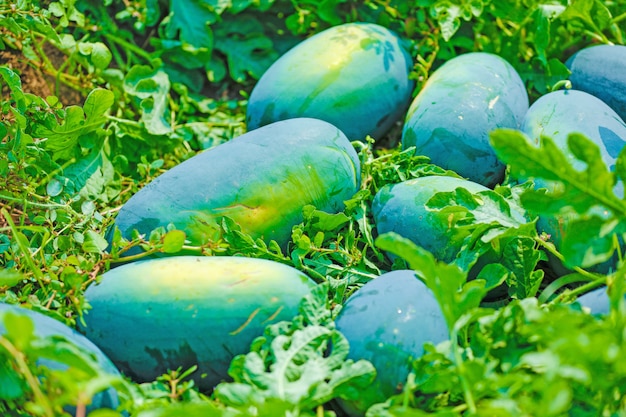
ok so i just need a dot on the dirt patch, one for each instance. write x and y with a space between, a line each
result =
35 81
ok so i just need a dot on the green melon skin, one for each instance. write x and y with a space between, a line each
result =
261 179
387 322
600 70
45 326
596 301
461 103
159 314
556 115
401 208
355 76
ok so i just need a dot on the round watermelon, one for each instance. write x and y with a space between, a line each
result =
387 322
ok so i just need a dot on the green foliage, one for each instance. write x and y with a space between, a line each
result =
525 359
134 88
78 124
44 375
495 223
582 193
300 365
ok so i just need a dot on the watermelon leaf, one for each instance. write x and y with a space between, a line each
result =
587 197
495 223
78 123
581 190
248 51
301 364
151 87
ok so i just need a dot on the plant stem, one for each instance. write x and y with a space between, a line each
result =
25 203
467 392
585 288
49 175
561 282
32 381
550 248
117 56
597 36
408 390
81 410
619 18
25 250
138 256
124 121
213 124
129 47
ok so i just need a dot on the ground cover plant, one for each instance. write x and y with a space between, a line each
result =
100 98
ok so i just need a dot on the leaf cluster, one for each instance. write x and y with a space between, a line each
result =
47 376
156 82
525 359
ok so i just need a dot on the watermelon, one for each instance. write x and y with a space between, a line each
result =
596 301
261 180
556 115
461 103
159 314
44 327
387 322
600 70
355 76
401 208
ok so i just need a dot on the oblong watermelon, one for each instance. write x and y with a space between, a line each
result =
600 70
159 314
463 100
387 322
44 327
261 179
556 115
355 76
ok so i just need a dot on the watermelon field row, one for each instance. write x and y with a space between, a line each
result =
316 208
